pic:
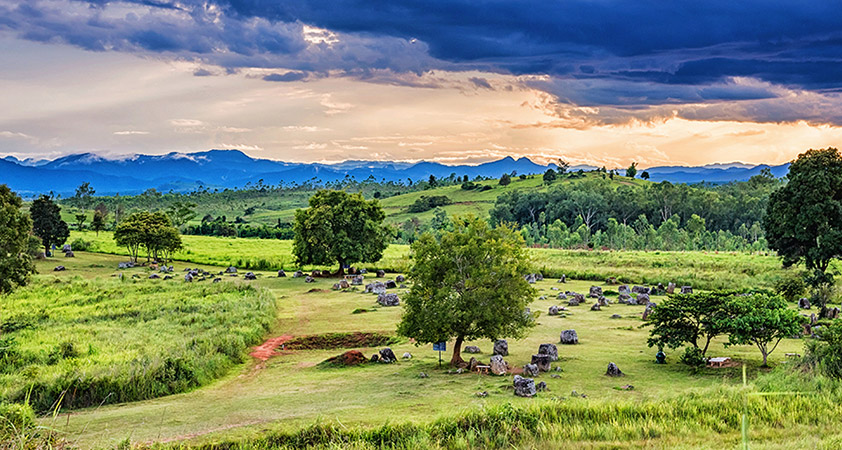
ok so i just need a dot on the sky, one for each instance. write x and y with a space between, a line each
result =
596 82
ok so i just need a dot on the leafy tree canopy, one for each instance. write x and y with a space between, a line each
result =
47 223
15 262
339 227
468 285
152 231
762 320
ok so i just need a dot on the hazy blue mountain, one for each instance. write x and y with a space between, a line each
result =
181 172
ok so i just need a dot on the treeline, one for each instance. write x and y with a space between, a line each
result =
664 216
220 226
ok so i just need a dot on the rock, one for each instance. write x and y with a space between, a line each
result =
471 349
125 265
623 289
66 248
686 289
390 284
611 281
524 387
595 292
375 358
553 310
640 290
561 296
387 355
363 271
648 310
381 274
642 299
231 269
530 370
543 297
549 349
563 279
400 278
407 355
250 276
335 286
813 319
343 284
388 299
69 255
623 299
603 301
167 277
501 347
595 307
188 277
574 299
803 303
616 316
613 370
539 276
832 313
541 386
281 274
154 276
298 274
542 361
423 375
671 288
376 288
530 278
498 366
357 280
472 364
309 279
59 269
217 280
569 337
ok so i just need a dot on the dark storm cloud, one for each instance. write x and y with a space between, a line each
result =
286 77
592 52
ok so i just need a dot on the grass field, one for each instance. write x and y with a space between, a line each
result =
98 339
290 392
703 270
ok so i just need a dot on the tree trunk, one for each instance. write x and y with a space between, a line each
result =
457 352
765 355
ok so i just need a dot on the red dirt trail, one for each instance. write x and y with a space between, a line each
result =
266 350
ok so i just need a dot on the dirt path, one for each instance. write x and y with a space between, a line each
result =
267 349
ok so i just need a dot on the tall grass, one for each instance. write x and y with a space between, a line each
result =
106 341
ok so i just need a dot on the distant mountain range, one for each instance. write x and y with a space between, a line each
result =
182 172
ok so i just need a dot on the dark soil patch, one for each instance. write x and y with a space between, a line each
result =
317 290
347 359
339 340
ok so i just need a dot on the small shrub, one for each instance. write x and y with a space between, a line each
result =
14 419
693 357
81 245
791 287
359 311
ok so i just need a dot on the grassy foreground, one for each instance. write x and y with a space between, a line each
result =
702 270
86 342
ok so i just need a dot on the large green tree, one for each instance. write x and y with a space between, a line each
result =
339 227
693 319
15 262
468 285
762 320
803 219
152 231
47 223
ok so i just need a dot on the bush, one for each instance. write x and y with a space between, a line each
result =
825 353
693 357
14 419
81 245
426 203
791 287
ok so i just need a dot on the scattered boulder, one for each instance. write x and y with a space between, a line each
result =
640 290
231 269
541 386
686 289
376 288
642 299
407 355
381 274
388 299
357 280
803 303
471 349
309 279
298 274
167 277
671 288
188 277
388 356
563 279
561 296
423 375
813 319
569 337
472 364
542 361
524 387
66 248
623 289
832 313
648 310
154 276
501 347
596 307
603 301
549 349
530 278
530 370
281 273
250 276
317 273
69 254
613 371
595 292
59 269
125 265
539 276
498 366
611 281
217 280
616 316
623 299
390 284
400 278
343 284
543 297
553 310
375 358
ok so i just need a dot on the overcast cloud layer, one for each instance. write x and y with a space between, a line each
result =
576 65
